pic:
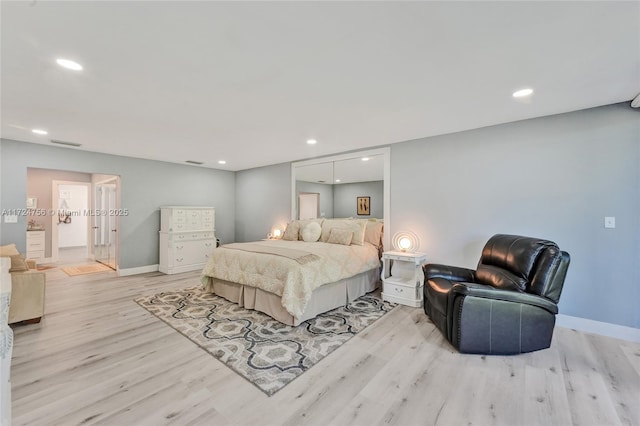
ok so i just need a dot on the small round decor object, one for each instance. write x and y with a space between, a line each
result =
311 232
405 241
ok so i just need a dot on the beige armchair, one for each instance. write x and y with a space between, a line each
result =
27 288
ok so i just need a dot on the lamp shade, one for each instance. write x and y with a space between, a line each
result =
276 232
405 241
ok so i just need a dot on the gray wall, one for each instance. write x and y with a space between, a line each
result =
146 185
39 183
263 200
555 177
326 196
344 198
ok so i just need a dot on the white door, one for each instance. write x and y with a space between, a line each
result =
309 203
105 223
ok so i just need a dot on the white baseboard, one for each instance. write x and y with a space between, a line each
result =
138 270
598 327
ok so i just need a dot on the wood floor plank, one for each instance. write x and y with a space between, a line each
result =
99 358
589 400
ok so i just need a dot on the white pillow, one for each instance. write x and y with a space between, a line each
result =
311 232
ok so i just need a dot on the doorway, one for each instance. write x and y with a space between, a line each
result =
106 222
70 225
309 203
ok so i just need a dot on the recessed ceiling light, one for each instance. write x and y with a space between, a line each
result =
365 158
69 64
312 141
337 180
39 131
222 162
522 93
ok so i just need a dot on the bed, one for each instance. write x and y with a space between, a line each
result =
317 266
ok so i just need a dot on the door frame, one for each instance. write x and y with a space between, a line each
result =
112 179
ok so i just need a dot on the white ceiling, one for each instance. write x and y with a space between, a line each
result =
250 82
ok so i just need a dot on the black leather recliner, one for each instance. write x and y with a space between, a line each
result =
508 305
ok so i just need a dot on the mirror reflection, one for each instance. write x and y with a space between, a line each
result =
333 189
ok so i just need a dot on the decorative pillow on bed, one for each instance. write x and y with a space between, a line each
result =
355 226
340 236
305 222
373 233
291 233
311 232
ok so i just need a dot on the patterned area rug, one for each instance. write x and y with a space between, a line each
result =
264 351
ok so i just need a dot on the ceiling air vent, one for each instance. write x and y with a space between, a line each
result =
65 143
194 162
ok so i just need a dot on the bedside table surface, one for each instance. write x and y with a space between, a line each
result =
408 255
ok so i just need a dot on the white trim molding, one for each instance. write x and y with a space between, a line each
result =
597 327
139 270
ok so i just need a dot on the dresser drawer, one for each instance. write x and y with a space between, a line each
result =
35 255
193 215
412 293
35 244
191 236
194 252
35 236
178 219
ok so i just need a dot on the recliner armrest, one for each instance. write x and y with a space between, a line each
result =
488 292
451 273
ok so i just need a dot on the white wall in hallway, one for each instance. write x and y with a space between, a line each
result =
74 200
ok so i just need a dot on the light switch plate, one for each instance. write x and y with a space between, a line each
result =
10 218
609 222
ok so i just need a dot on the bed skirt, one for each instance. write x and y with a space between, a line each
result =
323 299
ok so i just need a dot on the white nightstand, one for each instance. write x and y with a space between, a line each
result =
402 277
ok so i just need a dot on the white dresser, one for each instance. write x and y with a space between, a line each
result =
187 238
35 245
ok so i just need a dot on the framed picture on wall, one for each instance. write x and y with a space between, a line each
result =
363 207
32 203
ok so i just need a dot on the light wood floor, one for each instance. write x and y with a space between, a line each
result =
98 358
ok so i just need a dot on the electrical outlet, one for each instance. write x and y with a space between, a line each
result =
609 222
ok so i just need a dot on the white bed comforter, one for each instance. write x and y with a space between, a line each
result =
286 277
